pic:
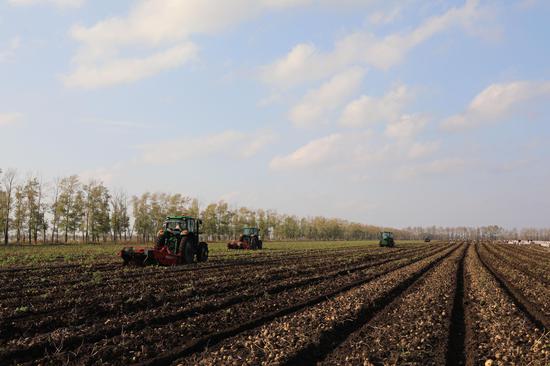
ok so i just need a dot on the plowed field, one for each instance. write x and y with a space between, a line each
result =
416 304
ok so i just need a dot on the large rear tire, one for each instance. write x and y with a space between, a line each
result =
202 255
188 250
189 253
254 243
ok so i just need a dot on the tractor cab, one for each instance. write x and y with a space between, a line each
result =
249 232
182 224
386 239
175 229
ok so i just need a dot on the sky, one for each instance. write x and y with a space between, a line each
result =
396 113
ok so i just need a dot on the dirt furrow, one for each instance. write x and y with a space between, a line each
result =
535 307
127 300
457 353
497 333
92 309
26 285
299 338
416 328
526 265
201 326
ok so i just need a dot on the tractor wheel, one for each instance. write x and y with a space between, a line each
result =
254 243
202 255
260 244
189 253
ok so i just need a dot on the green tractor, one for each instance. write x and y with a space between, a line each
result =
386 239
177 243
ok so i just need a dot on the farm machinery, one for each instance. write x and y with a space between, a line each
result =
386 239
176 243
249 239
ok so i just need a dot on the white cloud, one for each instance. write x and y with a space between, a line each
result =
316 152
58 3
420 150
499 102
157 27
118 71
317 103
406 127
387 16
111 124
368 110
8 52
340 151
438 166
307 63
7 119
254 143
353 152
230 143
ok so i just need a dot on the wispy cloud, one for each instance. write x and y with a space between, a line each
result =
406 127
434 167
317 103
114 123
57 3
127 70
321 151
367 110
160 31
7 119
386 16
352 152
499 102
237 144
8 51
305 62
423 149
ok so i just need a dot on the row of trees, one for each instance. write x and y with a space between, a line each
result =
69 210
476 233
32 210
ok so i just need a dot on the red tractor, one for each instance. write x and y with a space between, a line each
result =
177 243
249 239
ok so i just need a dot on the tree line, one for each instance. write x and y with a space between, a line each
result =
63 210
68 210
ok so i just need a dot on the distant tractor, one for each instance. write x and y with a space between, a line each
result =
386 239
176 243
249 239
427 239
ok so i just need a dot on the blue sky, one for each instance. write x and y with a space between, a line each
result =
385 112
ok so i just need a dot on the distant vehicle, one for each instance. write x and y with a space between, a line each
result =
427 239
386 239
249 239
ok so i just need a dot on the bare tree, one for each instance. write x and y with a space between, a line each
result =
55 209
8 181
70 205
120 221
